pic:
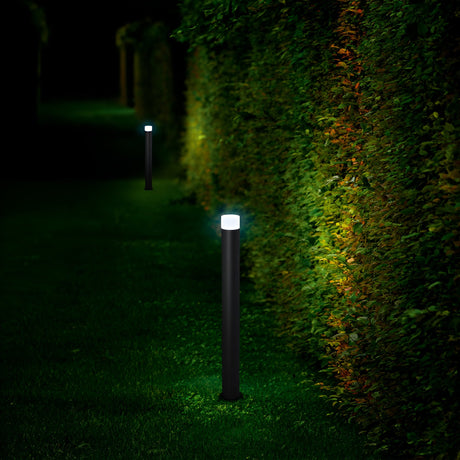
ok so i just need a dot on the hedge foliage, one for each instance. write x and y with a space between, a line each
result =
334 127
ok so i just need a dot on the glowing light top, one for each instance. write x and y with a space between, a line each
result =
230 222
148 128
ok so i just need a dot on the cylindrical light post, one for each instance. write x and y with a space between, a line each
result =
230 226
148 157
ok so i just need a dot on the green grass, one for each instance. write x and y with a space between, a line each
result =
110 336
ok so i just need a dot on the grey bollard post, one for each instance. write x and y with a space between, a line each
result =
230 226
148 157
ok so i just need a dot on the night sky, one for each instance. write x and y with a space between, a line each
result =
81 57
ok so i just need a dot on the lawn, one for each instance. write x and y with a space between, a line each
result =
110 336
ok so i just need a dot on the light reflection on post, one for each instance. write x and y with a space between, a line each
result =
230 226
148 157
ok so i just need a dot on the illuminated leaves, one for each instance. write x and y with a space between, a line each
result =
335 125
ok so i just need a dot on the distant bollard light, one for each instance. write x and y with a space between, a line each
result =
230 225
148 157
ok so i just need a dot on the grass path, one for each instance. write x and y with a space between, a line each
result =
110 336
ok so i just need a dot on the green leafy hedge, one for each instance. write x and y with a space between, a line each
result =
334 127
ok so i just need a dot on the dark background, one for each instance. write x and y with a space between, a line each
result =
78 62
81 56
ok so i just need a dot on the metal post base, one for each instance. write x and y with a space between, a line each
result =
235 398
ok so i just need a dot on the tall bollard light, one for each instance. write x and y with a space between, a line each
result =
230 226
148 157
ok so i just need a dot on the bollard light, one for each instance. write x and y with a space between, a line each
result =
230 226
148 157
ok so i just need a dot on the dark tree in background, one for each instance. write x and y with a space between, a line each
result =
82 58
61 51
26 34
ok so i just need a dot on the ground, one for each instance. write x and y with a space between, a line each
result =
110 304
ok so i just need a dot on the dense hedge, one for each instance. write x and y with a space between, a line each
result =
333 127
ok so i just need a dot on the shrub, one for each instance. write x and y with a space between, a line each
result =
334 126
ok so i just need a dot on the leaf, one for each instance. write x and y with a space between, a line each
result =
406 237
415 312
431 286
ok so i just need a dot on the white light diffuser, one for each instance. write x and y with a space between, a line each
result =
230 222
148 128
